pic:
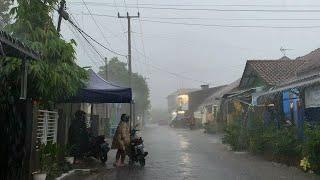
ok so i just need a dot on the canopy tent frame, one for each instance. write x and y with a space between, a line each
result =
98 90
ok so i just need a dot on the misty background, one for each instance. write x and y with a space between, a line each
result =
185 48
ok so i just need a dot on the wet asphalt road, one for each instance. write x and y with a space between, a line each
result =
177 154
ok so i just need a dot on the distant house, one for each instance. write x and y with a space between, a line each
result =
210 107
196 98
178 102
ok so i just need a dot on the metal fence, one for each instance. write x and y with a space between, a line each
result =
47 123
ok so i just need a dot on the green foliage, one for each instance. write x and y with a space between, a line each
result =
56 74
118 73
232 137
278 144
311 146
4 12
284 145
50 161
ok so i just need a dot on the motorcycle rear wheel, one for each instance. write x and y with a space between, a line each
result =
142 162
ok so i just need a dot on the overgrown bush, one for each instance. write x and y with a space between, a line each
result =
50 162
211 128
311 147
283 145
278 144
236 137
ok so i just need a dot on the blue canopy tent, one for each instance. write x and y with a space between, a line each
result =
98 90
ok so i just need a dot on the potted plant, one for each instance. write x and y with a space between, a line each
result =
68 157
47 160
41 174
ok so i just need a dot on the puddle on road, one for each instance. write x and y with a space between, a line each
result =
184 143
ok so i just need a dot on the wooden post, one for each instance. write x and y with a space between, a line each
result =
30 139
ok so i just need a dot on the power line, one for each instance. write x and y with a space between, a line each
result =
86 34
232 26
165 69
207 5
213 9
85 50
92 46
95 22
219 19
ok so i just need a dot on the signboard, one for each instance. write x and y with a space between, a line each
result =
312 97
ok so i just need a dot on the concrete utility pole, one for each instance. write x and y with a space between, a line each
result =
129 43
129 62
107 78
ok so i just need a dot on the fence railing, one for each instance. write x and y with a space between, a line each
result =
47 125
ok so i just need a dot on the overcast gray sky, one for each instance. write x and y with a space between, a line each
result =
203 53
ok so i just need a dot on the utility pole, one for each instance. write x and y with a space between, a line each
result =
129 62
107 78
106 69
62 14
129 43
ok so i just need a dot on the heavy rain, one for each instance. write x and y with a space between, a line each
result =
144 90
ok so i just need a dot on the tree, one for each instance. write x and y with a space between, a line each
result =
119 74
4 12
56 74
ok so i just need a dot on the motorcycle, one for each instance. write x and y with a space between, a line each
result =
137 153
99 148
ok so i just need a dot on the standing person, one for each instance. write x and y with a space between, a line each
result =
121 140
78 135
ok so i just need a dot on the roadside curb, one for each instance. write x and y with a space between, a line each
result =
71 172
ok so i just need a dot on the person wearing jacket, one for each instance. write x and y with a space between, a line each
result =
121 140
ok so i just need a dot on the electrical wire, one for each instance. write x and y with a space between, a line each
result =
207 5
95 22
213 9
232 26
92 46
85 49
94 40
218 19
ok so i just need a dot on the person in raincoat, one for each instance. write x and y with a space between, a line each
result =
121 140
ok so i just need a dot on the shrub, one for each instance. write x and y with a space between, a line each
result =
236 137
311 147
284 145
50 162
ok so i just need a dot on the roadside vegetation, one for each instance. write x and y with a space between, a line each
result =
277 144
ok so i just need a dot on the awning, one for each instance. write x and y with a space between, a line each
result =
98 90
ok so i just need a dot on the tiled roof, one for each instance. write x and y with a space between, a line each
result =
215 97
275 72
312 63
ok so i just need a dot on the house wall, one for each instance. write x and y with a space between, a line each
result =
312 103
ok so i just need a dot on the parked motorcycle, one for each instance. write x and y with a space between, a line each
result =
99 148
137 153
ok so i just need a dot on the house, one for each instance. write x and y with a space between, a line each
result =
178 102
196 98
210 107
17 119
260 76
299 95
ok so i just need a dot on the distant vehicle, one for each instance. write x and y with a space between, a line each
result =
162 123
